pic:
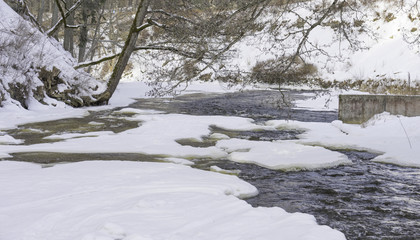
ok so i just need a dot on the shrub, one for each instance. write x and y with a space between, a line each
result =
274 71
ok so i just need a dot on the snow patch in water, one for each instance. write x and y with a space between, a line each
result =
282 155
179 161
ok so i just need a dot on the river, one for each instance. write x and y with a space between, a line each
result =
364 200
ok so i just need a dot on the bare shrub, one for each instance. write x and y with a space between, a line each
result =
273 71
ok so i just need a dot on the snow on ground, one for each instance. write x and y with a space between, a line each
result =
319 101
385 50
99 200
127 92
322 100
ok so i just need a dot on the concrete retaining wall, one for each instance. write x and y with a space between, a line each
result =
360 108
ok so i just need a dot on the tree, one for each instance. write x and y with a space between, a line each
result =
127 50
54 18
193 39
292 44
40 11
197 34
64 16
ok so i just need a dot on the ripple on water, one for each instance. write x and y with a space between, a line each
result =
378 204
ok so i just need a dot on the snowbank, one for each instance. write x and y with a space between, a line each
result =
132 201
25 51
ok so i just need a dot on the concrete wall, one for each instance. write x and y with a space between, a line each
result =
360 108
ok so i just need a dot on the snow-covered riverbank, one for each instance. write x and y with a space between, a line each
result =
132 200
138 201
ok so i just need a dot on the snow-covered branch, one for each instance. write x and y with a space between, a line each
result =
55 28
142 27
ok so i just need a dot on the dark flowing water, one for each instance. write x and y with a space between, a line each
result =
260 105
365 200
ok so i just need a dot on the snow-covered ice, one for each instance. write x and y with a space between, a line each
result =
107 200
157 134
284 155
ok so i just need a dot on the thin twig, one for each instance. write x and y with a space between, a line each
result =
408 138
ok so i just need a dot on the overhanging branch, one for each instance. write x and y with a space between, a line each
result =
306 35
96 62
177 51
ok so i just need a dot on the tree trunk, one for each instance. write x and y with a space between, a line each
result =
95 38
127 50
83 34
40 11
68 32
54 17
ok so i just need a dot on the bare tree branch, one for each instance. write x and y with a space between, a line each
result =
306 35
157 48
144 26
96 62
62 21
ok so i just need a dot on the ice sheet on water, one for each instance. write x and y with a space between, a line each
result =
282 155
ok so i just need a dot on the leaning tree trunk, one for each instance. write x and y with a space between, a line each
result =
127 50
